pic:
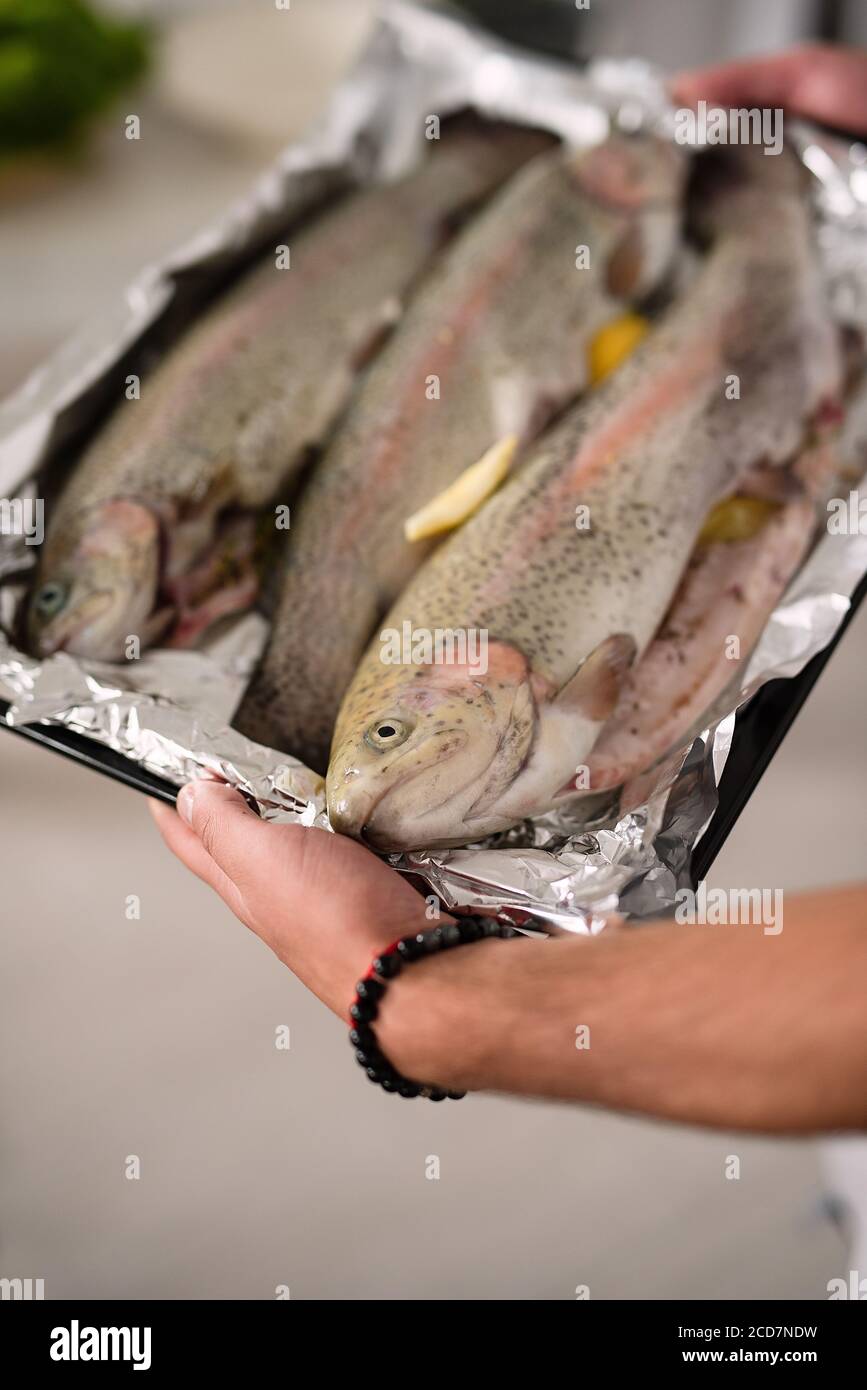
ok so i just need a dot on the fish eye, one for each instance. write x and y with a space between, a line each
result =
51 598
387 733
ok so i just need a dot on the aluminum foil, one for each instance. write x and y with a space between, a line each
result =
170 711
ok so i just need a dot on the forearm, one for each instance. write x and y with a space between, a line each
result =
718 1025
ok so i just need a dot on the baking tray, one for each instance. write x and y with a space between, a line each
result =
564 875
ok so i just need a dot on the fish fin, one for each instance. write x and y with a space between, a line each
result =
595 688
194 621
625 268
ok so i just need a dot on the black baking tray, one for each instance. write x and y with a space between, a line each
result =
93 755
760 728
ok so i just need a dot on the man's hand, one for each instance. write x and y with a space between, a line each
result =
710 1025
326 905
323 903
821 81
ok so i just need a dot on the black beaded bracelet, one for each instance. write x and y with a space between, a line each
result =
370 990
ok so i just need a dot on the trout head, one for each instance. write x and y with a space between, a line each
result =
415 752
439 756
97 583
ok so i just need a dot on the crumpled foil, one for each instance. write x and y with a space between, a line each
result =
170 711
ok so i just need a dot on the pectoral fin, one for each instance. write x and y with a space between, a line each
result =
595 688
623 273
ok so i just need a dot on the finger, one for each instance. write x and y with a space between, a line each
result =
180 837
820 81
226 829
833 89
279 879
186 847
323 903
755 81
327 880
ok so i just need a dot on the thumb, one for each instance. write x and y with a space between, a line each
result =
324 904
228 830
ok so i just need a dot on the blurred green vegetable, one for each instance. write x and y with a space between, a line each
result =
60 64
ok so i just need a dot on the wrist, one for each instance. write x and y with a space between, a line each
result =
443 1019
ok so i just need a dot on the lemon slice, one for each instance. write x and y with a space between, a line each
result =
613 343
736 519
465 495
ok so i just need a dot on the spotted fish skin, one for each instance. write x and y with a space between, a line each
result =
729 589
229 414
501 328
568 608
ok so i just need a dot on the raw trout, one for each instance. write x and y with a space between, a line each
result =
229 414
729 590
496 341
563 578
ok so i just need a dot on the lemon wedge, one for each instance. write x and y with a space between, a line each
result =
465 495
613 343
736 519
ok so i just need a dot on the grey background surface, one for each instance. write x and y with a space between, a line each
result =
156 1038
